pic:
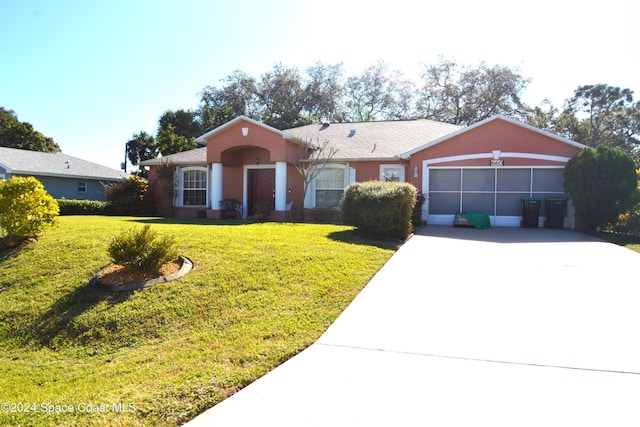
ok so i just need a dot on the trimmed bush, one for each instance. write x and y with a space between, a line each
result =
82 207
26 209
142 249
380 209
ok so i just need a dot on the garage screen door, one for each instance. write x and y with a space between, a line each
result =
495 191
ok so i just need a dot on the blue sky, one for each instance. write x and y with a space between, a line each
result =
91 73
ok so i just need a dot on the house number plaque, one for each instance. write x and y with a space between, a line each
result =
494 162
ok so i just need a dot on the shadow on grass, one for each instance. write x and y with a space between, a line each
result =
191 221
353 237
12 248
9 252
55 325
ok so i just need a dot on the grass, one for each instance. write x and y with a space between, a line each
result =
259 294
629 241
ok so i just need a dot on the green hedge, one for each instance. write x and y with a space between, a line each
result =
380 209
83 207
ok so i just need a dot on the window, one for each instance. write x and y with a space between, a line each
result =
194 187
329 187
392 173
82 187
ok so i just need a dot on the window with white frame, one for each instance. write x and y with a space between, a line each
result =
392 173
82 186
329 187
194 187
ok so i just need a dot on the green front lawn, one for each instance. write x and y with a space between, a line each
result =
259 294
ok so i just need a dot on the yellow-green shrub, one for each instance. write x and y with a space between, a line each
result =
26 209
142 249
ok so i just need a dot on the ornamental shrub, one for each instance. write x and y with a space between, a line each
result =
629 222
142 249
602 184
26 209
129 196
379 209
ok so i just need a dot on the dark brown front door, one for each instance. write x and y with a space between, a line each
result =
261 189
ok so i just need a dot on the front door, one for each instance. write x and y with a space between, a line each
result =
261 185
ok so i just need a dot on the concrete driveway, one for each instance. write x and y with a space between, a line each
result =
462 327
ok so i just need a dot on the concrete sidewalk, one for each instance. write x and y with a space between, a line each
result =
495 327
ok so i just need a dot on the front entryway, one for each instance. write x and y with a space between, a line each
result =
261 184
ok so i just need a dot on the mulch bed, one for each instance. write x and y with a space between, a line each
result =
116 278
118 275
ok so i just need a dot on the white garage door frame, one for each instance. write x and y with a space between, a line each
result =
495 192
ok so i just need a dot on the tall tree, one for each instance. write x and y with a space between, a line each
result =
178 131
140 147
169 142
281 95
212 118
185 123
324 92
22 135
603 109
238 93
463 95
379 94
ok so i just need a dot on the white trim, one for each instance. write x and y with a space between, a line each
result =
281 186
215 184
348 174
245 184
180 201
503 155
400 167
203 138
496 221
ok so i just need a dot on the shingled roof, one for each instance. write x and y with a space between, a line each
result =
374 140
25 162
386 140
196 156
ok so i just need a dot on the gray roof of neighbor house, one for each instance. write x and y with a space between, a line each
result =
25 162
196 156
374 140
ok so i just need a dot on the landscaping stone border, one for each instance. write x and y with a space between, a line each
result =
96 283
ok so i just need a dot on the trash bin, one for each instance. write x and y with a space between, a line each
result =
530 211
556 208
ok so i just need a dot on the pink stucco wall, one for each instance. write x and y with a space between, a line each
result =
498 135
230 140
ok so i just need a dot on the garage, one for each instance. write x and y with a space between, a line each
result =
490 167
494 191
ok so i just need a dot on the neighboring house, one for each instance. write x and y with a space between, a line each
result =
63 176
487 167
